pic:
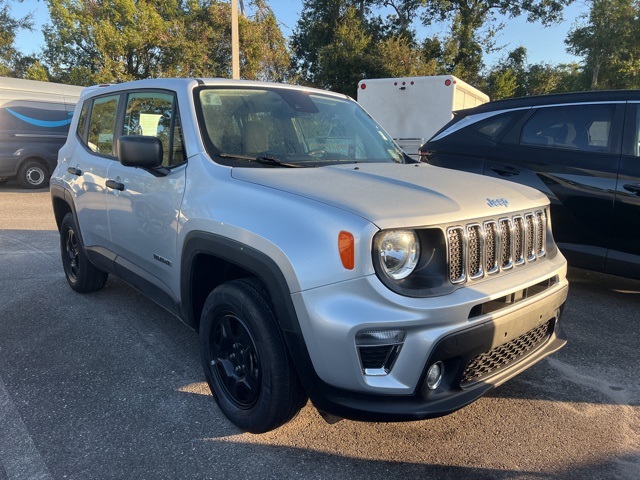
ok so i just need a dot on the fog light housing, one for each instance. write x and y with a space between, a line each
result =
434 375
378 350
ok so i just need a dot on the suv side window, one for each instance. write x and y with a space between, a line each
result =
492 127
154 114
580 127
82 121
102 125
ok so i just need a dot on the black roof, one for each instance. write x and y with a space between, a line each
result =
552 99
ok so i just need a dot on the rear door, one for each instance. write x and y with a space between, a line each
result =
85 168
572 154
625 231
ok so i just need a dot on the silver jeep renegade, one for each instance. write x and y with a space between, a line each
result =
312 256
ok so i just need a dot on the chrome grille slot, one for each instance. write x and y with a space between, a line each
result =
541 237
475 247
495 245
506 234
530 236
491 247
456 247
518 240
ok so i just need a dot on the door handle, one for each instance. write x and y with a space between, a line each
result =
506 171
75 171
633 188
115 185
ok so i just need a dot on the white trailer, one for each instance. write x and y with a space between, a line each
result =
412 109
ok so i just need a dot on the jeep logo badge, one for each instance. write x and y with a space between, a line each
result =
497 202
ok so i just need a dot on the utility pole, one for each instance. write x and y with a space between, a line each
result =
235 44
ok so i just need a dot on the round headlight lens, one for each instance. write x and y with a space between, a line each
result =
399 253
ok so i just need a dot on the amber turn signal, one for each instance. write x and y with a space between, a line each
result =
347 249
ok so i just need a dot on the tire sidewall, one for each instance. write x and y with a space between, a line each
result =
89 278
29 165
68 223
271 355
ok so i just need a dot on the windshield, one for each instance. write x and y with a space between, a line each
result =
287 127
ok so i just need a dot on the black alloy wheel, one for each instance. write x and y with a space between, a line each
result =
235 360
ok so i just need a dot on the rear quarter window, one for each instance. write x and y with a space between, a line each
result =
576 127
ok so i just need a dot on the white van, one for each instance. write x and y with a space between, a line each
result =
34 121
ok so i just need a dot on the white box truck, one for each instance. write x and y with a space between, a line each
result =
412 109
34 121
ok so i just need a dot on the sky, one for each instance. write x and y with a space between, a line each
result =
544 45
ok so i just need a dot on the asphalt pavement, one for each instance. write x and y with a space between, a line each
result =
109 386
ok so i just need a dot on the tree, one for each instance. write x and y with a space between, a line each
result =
400 24
347 58
96 41
514 77
9 27
317 28
609 44
337 43
463 50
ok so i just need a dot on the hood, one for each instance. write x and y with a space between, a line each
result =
398 195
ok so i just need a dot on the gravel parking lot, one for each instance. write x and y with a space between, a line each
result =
109 385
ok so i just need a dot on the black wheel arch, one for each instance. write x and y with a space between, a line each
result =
209 260
62 204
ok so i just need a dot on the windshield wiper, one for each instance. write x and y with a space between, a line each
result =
263 160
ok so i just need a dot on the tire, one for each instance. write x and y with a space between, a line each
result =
245 359
82 275
33 174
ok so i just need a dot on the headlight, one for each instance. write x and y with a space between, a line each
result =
412 262
399 252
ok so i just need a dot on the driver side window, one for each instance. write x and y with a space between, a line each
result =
155 114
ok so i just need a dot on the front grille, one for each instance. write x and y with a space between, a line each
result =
494 360
479 249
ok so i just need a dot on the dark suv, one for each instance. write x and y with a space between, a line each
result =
581 149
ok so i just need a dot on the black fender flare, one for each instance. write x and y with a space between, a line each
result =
264 268
245 257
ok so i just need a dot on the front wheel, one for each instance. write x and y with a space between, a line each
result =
82 275
245 359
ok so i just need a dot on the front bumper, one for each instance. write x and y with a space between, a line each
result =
479 351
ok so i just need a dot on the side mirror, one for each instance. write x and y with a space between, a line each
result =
140 151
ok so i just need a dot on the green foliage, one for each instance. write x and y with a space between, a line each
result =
97 41
346 60
609 42
513 77
473 27
9 27
337 43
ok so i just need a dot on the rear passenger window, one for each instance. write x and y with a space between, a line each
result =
584 127
102 125
492 127
154 114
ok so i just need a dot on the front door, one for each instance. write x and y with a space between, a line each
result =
144 206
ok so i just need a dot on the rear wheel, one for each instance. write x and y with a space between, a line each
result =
245 359
33 174
82 275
